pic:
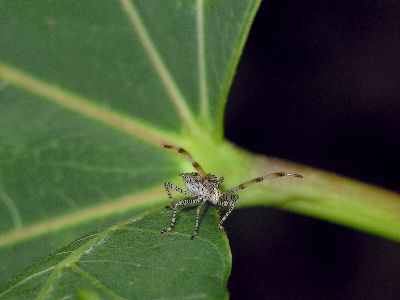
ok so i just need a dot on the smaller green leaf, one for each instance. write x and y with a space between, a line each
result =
132 259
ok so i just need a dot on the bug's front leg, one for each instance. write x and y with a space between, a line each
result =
196 228
168 186
174 207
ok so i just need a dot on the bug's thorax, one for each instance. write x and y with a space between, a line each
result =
207 188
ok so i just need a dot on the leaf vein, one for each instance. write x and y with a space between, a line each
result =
109 261
71 259
12 207
95 281
85 106
202 60
220 254
156 60
26 280
103 209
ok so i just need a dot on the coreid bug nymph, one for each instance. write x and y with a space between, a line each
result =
203 187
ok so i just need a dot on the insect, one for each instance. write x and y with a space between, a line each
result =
203 188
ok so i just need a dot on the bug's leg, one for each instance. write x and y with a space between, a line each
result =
196 227
168 186
174 207
228 200
259 179
189 157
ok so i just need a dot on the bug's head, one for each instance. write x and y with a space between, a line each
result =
196 178
214 180
190 176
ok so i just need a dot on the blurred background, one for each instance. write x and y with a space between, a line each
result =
319 84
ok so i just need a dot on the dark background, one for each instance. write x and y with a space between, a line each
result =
318 83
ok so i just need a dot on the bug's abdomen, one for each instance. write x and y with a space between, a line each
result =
197 189
214 197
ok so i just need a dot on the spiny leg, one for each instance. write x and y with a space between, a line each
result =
226 198
230 197
225 202
259 179
179 203
196 228
187 155
168 185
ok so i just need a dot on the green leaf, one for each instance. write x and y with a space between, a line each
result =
88 92
132 258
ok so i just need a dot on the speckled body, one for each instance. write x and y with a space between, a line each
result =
207 189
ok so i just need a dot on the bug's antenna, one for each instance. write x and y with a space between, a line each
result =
259 179
187 155
262 178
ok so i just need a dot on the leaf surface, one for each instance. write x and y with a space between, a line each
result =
88 92
153 266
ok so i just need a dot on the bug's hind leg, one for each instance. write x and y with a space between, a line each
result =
174 207
228 200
